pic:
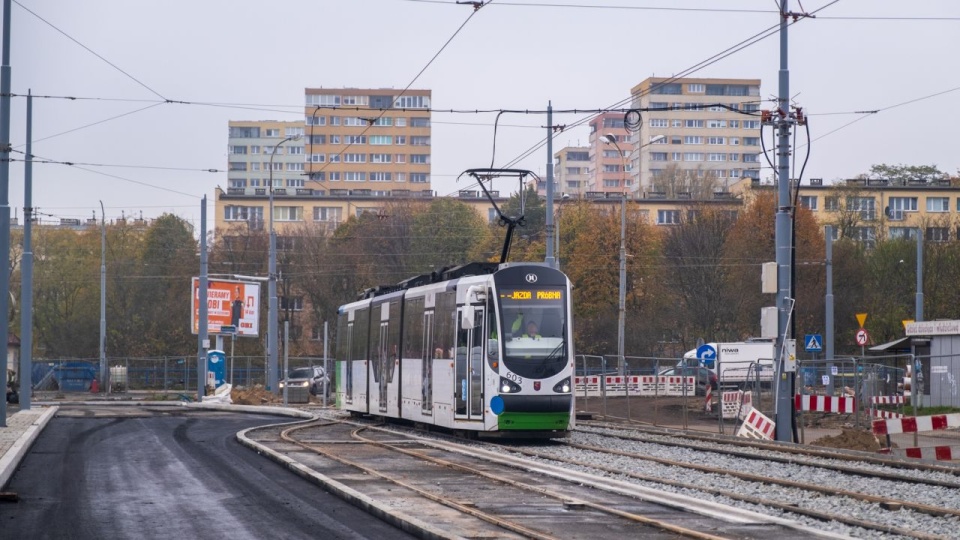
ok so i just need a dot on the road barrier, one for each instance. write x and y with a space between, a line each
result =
757 426
635 385
842 405
916 424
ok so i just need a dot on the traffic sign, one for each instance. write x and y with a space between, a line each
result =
813 343
707 355
862 337
862 319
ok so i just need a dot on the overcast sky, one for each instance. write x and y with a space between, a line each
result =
255 58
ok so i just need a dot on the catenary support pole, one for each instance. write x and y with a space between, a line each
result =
104 373
202 339
828 302
550 258
26 266
784 405
5 191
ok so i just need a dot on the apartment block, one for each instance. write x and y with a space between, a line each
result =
609 162
696 134
572 169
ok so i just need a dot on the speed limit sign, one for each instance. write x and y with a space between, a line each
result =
862 337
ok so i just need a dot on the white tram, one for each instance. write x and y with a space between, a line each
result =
484 348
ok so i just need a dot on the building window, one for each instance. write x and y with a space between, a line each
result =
864 234
809 202
419 178
611 168
865 205
327 213
352 176
238 166
288 213
693 156
733 123
611 183
899 206
353 121
294 132
354 158
243 213
295 167
419 141
693 123
716 157
938 204
316 120
695 89
676 140
904 233
719 140
751 141
381 158
272 132
751 124
659 122
295 182
238 150
751 158
690 139
355 139
401 140
412 102
381 139
419 122
400 158
420 158
334 158
334 176
291 303
938 234
380 177
658 156
715 124
237 182
334 139
244 133
831 204
668 217
317 158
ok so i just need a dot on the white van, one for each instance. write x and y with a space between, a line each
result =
738 361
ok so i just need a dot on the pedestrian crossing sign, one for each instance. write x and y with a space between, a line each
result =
813 343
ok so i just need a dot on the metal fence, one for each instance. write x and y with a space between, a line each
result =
172 373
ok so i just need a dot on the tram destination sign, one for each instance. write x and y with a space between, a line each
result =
528 294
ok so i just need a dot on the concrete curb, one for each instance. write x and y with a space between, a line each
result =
406 523
10 460
276 411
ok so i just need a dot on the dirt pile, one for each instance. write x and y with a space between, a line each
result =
256 395
850 439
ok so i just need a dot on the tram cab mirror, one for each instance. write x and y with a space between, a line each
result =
467 319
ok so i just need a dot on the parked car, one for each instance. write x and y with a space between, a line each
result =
312 377
704 377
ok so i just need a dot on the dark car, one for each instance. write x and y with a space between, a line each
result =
308 377
704 376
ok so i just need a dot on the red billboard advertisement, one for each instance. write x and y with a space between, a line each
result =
229 303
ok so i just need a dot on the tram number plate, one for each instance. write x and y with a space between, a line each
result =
514 377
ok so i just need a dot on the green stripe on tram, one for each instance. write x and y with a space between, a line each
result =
515 421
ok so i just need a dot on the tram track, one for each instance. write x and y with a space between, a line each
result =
553 502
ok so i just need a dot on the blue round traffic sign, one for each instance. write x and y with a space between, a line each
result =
707 355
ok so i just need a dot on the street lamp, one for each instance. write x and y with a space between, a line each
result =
272 285
609 138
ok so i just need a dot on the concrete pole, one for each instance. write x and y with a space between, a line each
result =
326 371
286 360
26 266
5 194
784 404
202 338
550 259
622 316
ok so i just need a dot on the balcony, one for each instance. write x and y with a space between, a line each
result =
305 191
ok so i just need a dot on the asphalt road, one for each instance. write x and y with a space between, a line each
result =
149 475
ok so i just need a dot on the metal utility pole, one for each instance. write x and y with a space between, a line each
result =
550 259
783 121
103 300
622 317
26 266
828 302
919 302
5 193
203 342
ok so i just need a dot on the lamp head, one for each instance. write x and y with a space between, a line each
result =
609 138
657 139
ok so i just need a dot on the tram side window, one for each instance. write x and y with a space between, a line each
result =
393 338
343 339
445 321
361 325
413 328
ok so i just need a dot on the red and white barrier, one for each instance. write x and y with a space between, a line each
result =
708 402
887 400
936 453
915 424
736 404
844 405
647 385
757 426
877 413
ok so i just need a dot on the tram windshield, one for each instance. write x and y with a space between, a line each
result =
533 326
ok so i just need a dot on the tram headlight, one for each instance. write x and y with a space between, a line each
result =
562 387
508 387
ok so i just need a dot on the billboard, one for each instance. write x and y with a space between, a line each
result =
228 303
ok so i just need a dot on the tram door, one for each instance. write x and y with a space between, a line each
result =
427 367
469 365
384 364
